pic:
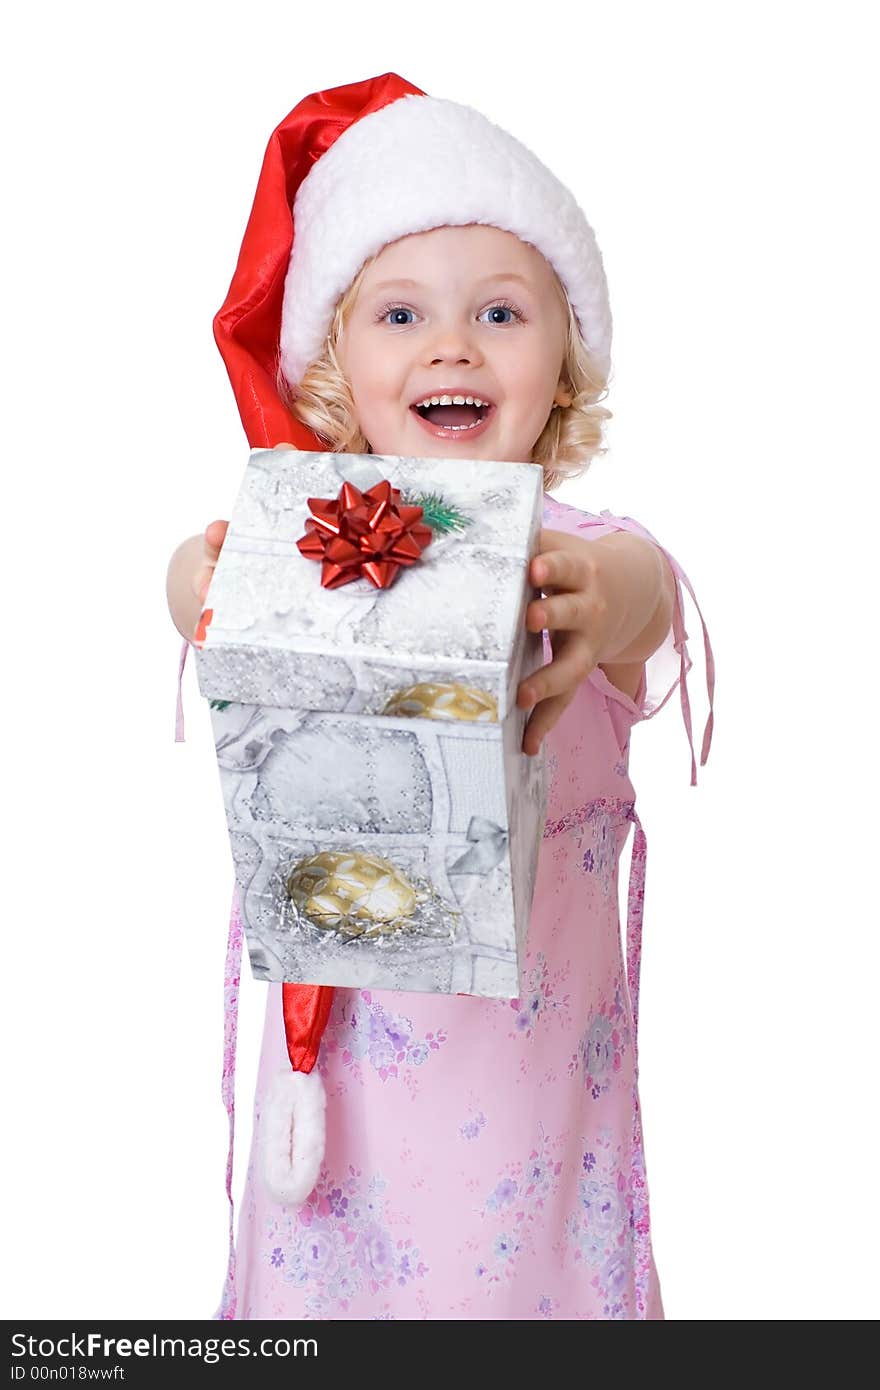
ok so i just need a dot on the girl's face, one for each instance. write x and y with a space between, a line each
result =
456 312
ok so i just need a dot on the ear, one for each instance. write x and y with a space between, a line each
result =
563 395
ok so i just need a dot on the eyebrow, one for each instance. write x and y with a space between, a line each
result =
489 279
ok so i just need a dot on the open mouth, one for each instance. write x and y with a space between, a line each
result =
458 414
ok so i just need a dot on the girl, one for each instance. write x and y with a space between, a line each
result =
439 293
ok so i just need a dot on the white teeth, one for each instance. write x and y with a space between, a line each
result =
456 400
452 400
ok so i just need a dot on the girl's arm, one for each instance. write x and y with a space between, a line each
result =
647 585
625 670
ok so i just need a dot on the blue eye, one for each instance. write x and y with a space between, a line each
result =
503 308
395 315
391 311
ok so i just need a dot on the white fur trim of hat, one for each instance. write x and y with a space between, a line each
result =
418 163
292 1132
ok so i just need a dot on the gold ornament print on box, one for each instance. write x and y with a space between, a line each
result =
357 894
427 701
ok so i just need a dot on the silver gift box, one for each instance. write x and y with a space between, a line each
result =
384 823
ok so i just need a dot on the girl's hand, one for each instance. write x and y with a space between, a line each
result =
601 596
215 535
190 571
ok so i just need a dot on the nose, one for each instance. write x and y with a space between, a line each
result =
454 342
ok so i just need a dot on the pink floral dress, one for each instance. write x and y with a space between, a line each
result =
485 1157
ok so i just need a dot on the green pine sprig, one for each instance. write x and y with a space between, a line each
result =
440 515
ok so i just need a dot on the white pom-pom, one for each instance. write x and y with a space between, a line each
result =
292 1135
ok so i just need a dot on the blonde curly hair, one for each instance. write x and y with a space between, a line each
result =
569 441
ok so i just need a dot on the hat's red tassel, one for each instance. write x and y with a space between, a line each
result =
247 330
306 1010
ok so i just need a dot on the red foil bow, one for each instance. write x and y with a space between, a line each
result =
363 534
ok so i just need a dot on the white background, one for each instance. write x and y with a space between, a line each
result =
724 155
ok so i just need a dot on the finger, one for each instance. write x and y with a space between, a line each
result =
573 661
215 535
543 717
562 569
572 611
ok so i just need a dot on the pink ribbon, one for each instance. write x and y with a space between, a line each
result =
679 633
178 723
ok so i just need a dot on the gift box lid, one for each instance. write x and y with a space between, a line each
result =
453 615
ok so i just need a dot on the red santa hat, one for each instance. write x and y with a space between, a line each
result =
418 163
346 172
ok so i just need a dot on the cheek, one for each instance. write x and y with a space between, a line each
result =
531 394
370 380
530 389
